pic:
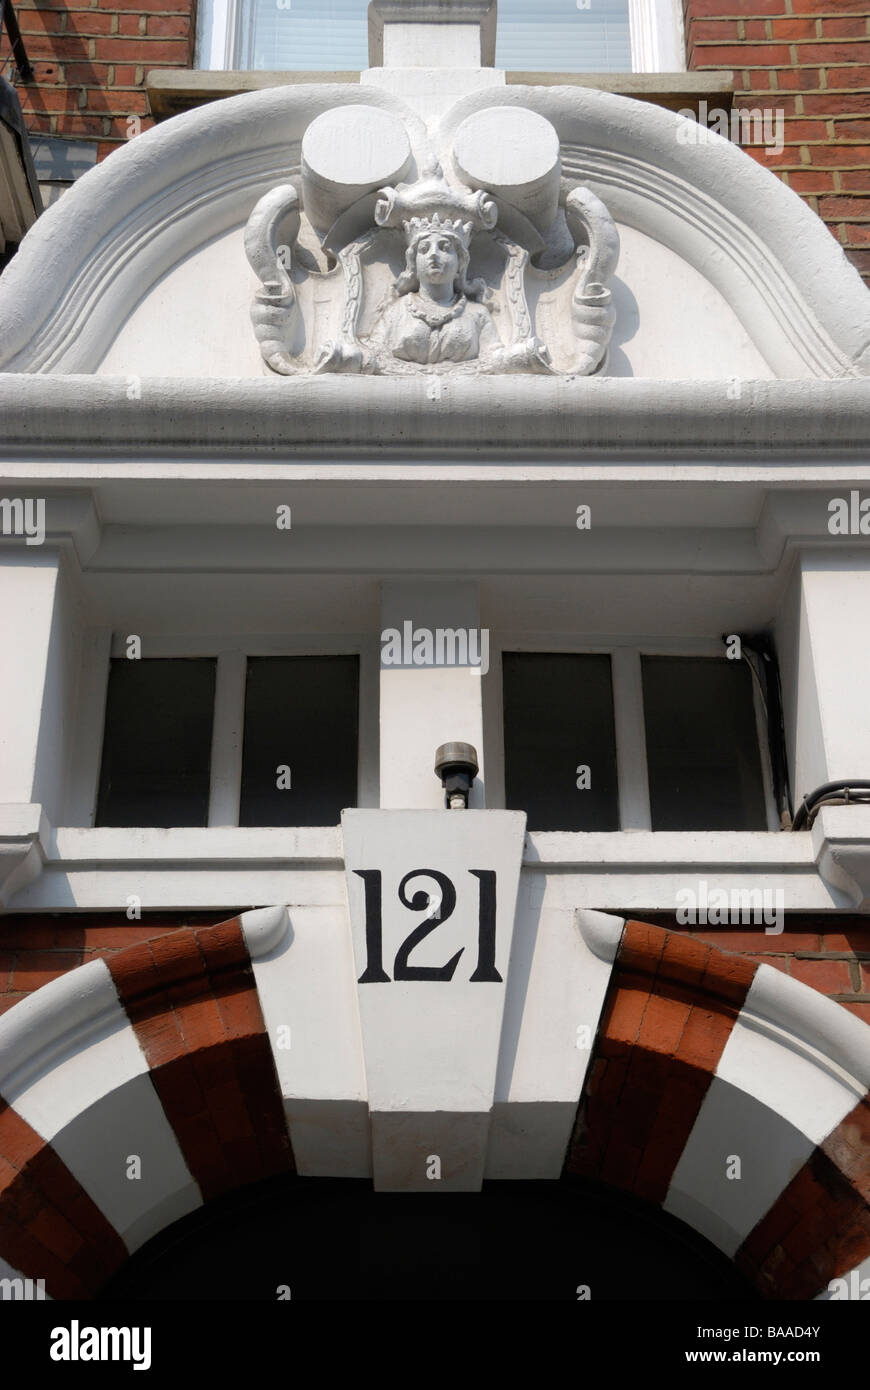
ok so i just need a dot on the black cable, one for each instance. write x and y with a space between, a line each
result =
759 653
839 793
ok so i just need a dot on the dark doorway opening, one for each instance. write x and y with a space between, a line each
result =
339 1240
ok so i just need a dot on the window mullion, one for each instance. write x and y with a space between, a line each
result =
657 36
227 737
634 807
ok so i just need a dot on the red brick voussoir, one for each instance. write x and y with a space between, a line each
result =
190 999
193 1004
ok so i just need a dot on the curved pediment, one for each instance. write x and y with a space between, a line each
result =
215 246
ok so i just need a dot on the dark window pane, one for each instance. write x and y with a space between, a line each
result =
558 716
157 743
702 745
300 713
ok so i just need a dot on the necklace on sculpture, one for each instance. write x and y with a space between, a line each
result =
432 315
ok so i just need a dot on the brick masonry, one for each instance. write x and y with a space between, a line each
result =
672 1005
90 62
830 954
811 60
189 995
188 992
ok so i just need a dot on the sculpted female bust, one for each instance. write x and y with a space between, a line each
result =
433 315
434 318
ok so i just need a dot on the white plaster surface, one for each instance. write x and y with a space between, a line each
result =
306 985
423 707
29 582
431 1046
560 971
795 1064
672 323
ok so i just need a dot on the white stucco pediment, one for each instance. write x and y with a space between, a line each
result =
141 269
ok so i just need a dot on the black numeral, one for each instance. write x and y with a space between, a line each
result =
374 973
401 969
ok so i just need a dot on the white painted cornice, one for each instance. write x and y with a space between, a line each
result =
561 416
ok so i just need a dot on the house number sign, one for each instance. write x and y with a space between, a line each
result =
440 910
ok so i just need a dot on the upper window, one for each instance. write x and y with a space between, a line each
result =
172 757
301 714
638 742
157 743
558 721
543 36
702 745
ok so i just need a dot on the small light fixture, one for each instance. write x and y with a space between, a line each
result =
456 765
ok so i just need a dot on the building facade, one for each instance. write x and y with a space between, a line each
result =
434 759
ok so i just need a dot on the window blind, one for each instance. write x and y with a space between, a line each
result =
533 36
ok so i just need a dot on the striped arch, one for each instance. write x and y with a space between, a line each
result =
158 1054
736 1098
723 1091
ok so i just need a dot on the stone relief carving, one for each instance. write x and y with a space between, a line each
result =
430 275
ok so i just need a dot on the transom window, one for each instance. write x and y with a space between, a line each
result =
172 728
634 741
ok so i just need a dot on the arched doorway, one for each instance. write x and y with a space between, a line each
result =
338 1240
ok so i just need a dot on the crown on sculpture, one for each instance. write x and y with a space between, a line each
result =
417 227
433 205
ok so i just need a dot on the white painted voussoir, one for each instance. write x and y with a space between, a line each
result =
73 1069
806 1022
264 929
793 1068
56 1023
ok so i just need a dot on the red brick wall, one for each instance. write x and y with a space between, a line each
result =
811 58
832 954
90 62
34 950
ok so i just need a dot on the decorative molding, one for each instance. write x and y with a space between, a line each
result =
264 930
175 187
25 835
841 843
56 1023
775 262
601 931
